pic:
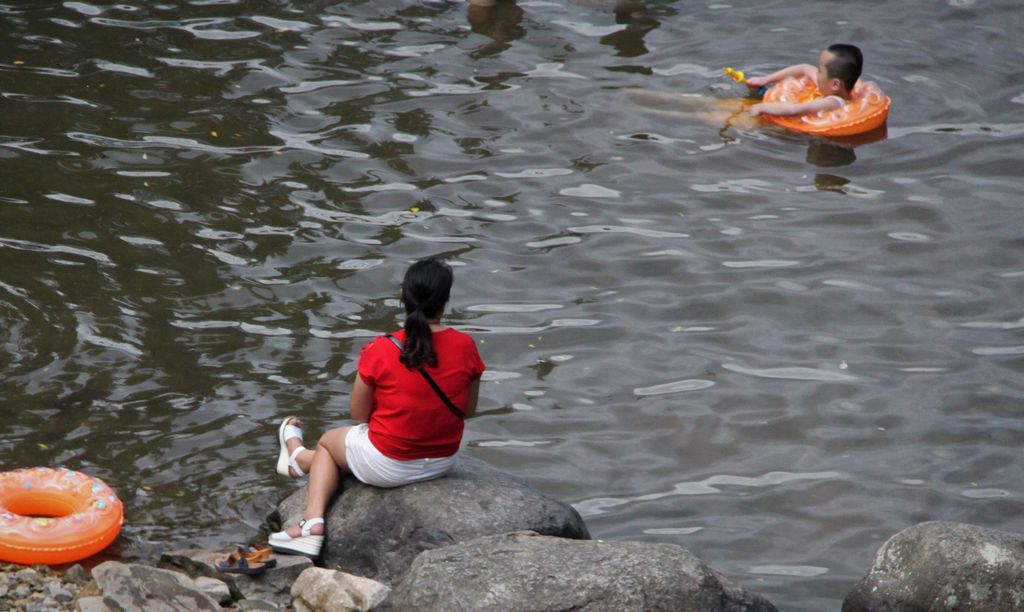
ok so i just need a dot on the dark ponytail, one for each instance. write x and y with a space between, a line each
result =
425 290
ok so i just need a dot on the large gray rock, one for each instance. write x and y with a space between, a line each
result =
377 533
940 567
528 572
129 586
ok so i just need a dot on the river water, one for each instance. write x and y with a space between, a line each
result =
772 350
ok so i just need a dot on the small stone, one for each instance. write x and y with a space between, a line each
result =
76 573
27 575
57 592
91 604
90 589
22 591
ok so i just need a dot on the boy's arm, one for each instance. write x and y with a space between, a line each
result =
797 70
785 109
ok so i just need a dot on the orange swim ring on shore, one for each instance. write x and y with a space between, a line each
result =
867 109
55 516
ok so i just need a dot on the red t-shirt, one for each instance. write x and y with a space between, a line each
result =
409 420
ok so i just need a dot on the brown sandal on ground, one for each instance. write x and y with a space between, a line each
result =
240 565
246 560
261 555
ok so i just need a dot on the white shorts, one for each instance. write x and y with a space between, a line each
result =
372 467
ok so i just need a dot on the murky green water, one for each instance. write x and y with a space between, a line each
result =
774 351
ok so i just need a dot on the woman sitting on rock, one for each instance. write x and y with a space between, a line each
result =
412 391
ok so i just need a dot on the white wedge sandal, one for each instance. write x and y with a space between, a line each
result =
286 432
306 544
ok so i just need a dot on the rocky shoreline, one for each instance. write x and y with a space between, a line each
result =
480 539
39 588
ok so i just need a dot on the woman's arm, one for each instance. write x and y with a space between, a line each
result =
360 404
797 70
474 395
784 109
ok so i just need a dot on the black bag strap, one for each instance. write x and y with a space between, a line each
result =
430 381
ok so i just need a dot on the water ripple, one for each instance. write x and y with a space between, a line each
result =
998 350
365 26
513 307
792 373
85 9
28 245
552 70
348 333
553 242
511 329
202 28
535 173
735 186
26 145
44 70
618 229
674 387
123 69
166 141
588 190
60 99
264 330
804 571
985 493
218 67
282 25
337 216
309 86
308 142
708 486
587 29
1001 325
507 443
382 187
761 263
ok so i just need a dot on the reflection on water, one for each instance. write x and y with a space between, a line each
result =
826 154
496 19
774 350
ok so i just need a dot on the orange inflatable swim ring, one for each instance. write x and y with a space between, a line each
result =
867 110
55 516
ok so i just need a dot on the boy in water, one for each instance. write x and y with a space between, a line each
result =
838 69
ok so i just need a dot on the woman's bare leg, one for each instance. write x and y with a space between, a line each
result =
324 476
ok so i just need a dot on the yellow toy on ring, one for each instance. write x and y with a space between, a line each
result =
867 109
737 75
55 516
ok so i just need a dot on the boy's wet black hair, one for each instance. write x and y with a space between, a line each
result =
845 65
